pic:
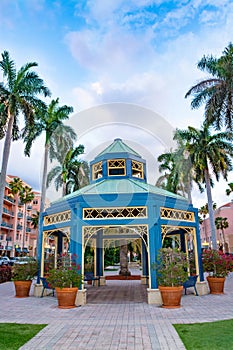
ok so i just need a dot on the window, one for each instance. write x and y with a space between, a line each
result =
97 171
116 167
137 169
35 202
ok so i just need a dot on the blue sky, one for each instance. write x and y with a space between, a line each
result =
93 53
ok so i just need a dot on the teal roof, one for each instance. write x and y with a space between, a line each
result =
118 146
123 186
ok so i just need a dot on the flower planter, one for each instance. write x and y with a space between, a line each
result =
171 296
216 284
22 288
66 297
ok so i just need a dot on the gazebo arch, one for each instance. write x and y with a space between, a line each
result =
119 203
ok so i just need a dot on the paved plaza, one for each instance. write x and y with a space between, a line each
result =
116 316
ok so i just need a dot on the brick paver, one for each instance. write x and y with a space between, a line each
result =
116 317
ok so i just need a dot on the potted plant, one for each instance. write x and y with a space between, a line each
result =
22 275
66 279
218 266
172 267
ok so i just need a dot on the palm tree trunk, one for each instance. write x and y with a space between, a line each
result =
5 158
210 208
63 188
42 205
44 179
189 190
24 225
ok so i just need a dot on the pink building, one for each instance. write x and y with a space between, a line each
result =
224 235
17 235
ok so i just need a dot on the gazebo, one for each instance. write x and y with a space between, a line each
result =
120 205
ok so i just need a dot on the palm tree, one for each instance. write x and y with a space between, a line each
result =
170 179
210 154
18 94
178 169
35 219
216 91
61 174
58 136
79 176
222 223
230 189
25 195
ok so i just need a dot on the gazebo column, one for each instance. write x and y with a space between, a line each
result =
59 243
155 243
99 268
182 241
145 273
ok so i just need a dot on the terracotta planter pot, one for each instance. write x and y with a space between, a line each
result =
66 297
216 284
171 296
22 288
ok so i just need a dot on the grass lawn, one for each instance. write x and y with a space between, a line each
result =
210 335
14 335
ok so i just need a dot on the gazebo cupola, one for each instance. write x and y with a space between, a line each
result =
118 161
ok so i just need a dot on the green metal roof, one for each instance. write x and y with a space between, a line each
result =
118 146
123 186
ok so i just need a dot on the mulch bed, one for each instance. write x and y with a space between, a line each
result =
120 277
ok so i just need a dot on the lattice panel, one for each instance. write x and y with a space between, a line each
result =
116 163
97 170
114 213
137 165
90 231
168 229
57 218
137 169
174 214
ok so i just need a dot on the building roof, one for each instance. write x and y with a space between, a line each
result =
122 186
118 146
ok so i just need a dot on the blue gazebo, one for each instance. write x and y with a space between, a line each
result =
119 204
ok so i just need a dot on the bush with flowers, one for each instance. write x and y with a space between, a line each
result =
67 274
216 263
172 267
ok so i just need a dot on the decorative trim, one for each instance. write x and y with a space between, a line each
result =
137 169
114 213
175 214
97 171
57 218
90 231
116 167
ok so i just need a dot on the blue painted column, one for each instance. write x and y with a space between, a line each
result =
76 247
39 245
99 268
144 259
198 240
155 242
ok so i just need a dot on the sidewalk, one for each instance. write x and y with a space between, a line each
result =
115 321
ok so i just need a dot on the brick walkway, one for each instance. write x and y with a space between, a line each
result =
116 317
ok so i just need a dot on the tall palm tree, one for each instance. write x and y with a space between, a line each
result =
222 223
79 176
216 91
170 179
61 174
57 135
25 194
19 93
210 155
178 170
203 211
